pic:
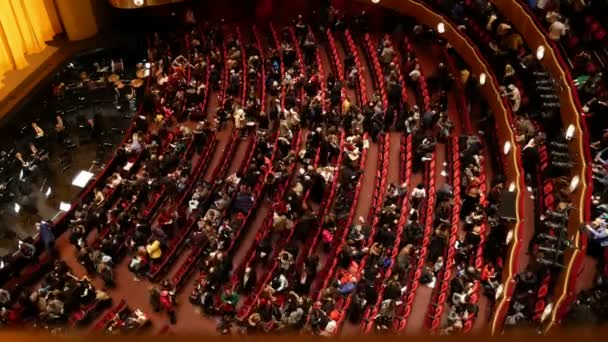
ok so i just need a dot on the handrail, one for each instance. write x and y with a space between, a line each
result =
504 118
570 109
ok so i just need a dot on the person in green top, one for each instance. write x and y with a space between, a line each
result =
229 301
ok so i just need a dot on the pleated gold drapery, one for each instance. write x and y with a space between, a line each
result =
24 27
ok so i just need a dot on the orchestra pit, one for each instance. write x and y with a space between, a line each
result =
311 167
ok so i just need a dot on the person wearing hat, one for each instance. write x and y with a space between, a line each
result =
154 250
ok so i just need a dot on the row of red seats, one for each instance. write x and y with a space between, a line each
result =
478 260
424 90
327 272
379 79
252 300
343 304
310 246
335 60
180 277
262 233
294 40
406 155
546 201
353 50
283 241
103 323
404 310
397 63
441 290
177 244
324 277
336 64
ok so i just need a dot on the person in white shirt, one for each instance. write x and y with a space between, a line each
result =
515 97
415 74
557 30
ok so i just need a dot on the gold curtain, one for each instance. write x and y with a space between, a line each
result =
24 27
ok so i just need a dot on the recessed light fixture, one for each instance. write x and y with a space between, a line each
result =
570 132
540 52
440 28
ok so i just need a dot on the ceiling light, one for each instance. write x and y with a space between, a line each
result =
540 52
63 206
375 1
512 187
440 28
570 132
506 148
82 179
482 78
138 3
574 183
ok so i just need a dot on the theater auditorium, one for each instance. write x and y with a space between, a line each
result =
312 167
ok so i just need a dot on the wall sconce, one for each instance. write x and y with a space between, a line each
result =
499 290
546 312
506 148
570 132
574 183
509 237
440 28
540 52
482 78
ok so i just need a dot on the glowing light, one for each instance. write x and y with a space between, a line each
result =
509 237
375 1
570 132
482 78
506 148
440 28
540 52
82 179
546 312
499 290
48 192
21 175
63 206
138 3
17 208
512 187
574 183
148 65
